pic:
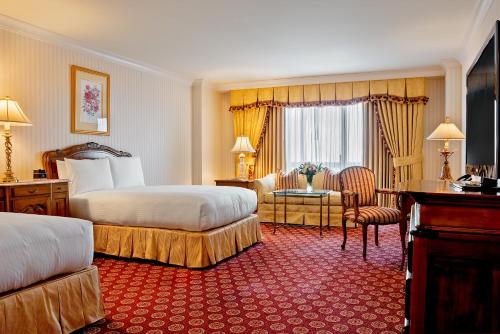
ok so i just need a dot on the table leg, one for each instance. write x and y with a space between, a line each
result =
274 219
284 213
321 216
328 211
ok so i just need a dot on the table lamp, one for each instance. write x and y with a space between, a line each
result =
10 115
446 131
242 146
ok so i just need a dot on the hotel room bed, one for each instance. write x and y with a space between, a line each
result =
192 226
188 208
48 283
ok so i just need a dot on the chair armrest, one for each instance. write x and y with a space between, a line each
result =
345 195
264 185
387 191
349 193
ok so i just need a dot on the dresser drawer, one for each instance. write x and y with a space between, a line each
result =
31 190
39 205
60 188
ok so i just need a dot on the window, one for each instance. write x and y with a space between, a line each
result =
331 135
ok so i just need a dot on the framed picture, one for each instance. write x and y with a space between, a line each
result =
89 101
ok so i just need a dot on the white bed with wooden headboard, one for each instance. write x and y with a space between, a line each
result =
193 226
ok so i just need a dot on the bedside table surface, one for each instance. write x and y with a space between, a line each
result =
234 180
32 181
242 183
38 196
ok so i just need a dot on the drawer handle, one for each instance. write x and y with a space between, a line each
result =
32 191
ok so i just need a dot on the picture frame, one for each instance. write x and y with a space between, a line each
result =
89 101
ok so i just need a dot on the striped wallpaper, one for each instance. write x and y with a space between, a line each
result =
434 114
150 114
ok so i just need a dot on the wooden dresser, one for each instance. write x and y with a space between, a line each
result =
41 197
453 277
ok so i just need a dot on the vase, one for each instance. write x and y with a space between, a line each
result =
309 182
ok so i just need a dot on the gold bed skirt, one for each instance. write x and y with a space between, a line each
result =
60 305
182 248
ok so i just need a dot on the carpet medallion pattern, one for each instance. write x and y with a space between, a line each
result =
292 282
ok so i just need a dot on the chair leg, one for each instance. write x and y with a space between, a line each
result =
376 235
365 237
344 229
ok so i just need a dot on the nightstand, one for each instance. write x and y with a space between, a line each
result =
248 184
40 197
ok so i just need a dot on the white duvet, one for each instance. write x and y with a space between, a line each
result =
34 248
189 208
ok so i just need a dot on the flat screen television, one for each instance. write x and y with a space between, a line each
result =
482 135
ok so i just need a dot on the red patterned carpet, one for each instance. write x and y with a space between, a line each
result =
293 282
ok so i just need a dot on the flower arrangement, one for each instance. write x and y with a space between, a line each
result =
309 170
91 100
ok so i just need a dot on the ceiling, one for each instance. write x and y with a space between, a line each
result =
244 40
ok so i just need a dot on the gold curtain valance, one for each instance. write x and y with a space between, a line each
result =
410 90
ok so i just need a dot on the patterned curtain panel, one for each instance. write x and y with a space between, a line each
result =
398 103
250 122
377 156
271 156
403 129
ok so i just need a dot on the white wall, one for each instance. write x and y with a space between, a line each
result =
150 115
196 130
207 136
434 114
228 164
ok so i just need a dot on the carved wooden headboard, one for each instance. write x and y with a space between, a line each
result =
83 151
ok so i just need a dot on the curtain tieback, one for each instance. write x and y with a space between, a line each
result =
407 160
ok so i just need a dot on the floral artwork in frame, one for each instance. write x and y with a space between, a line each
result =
89 101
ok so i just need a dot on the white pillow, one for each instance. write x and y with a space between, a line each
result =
127 172
88 175
62 170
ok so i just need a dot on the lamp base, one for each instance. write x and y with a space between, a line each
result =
9 175
242 167
445 170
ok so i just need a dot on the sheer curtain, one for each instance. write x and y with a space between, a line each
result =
332 135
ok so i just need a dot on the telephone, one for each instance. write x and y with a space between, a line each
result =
466 177
470 182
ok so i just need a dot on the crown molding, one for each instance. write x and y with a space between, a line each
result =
479 13
430 71
25 29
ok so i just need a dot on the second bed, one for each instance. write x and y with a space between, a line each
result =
192 226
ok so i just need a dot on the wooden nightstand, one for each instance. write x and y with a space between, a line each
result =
40 197
248 184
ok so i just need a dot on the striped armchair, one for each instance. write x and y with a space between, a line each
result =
359 203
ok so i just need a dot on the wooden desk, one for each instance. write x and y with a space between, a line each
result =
453 277
248 184
41 197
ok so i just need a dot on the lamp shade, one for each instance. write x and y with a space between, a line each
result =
242 145
12 114
446 131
